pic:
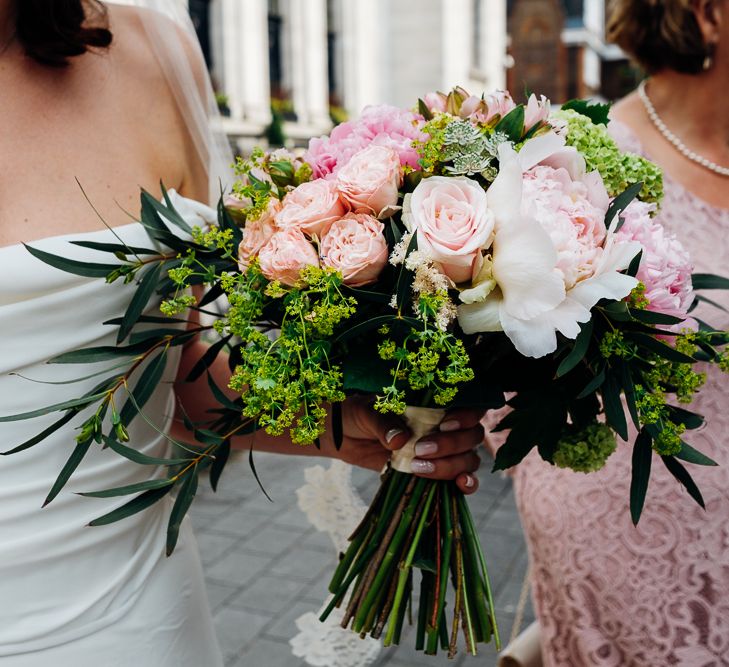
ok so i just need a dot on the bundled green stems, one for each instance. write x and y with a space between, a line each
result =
426 525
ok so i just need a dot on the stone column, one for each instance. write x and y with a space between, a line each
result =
241 58
362 39
309 85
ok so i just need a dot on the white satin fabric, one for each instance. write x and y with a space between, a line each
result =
73 595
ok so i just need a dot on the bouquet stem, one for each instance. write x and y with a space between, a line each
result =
416 523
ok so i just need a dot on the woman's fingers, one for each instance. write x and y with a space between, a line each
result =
460 418
467 483
438 445
364 423
449 467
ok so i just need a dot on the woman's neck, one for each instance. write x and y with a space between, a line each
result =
695 103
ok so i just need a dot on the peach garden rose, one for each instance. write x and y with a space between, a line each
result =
311 207
356 246
370 181
257 233
286 253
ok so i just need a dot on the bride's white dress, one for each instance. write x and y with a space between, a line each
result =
73 595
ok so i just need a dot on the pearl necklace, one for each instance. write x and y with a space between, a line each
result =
673 139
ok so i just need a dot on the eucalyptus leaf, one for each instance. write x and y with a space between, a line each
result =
593 385
135 505
90 355
43 434
579 349
138 457
652 317
620 203
684 478
613 406
73 461
709 281
146 288
129 489
640 474
207 359
115 247
661 349
78 268
184 499
81 402
691 455
222 454
144 388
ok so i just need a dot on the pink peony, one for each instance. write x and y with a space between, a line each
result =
257 233
453 224
572 212
355 245
369 182
381 125
311 207
285 254
665 266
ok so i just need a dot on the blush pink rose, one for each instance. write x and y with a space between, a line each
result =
453 223
356 246
536 111
435 101
257 233
311 207
370 181
285 254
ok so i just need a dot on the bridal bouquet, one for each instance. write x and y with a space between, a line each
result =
446 256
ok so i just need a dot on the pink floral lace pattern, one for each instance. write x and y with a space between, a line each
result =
608 593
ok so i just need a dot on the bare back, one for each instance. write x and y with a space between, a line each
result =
108 120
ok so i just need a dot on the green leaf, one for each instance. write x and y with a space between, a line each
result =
613 406
593 385
255 472
691 455
652 317
147 286
597 112
77 455
220 396
91 355
222 454
364 327
709 281
634 265
629 391
78 268
711 302
512 125
43 434
661 349
135 505
423 110
640 474
365 372
81 402
683 476
184 499
620 203
148 319
215 292
143 390
337 425
139 457
680 416
129 489
171 212
115 247
579 349
207 359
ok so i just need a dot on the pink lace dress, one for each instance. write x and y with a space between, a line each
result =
605 592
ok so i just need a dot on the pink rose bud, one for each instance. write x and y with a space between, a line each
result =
536 111
311 207
435 102
369 182
257 233
285 254
453 222
356 246
498 103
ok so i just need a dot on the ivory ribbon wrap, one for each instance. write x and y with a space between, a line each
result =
524 651
421 421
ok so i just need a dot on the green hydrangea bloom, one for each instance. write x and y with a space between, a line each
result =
617 168
585 450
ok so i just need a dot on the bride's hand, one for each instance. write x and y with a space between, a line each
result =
370 436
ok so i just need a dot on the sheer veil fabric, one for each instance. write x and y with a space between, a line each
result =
182 62
108 595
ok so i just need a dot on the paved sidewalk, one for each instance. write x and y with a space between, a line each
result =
265 565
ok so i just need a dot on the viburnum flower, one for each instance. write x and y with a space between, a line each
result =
546 276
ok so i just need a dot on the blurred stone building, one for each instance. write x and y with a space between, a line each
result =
315 61
559 48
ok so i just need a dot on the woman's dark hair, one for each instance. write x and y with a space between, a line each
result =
52 31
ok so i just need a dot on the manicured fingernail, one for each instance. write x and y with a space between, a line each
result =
426 447
469 481
421 467
450 425
392 434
